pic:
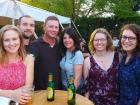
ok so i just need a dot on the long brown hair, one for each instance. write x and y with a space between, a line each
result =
135 28
3 53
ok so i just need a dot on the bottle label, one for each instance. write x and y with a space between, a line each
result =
70 94
50 92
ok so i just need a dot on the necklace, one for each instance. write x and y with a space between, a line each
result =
101 58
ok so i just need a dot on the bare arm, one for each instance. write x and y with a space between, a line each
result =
17 94
86 71
86 67
78 73
86 55
6 93
139 102
29 62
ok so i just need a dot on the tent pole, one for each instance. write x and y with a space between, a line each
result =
61 26
76 29
13 21
36 37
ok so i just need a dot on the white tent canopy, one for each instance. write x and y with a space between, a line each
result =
15 9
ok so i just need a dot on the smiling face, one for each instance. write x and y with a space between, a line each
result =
11 42
51 28
100 42
68 42
27 26
128 40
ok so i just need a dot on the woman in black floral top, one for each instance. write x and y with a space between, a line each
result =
100 70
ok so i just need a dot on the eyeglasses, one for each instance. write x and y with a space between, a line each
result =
124 37
101 40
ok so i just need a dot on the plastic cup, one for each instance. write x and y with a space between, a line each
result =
30 91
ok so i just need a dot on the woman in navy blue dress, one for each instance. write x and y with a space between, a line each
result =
129 70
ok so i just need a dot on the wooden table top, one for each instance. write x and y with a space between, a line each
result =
40 98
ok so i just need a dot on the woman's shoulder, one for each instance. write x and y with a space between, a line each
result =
87 59
138 60
28 58
119 55
79 52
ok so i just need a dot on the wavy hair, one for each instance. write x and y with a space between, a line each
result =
3 53
108 36
72 34
136 30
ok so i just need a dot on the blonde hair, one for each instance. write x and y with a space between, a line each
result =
21 50
108 36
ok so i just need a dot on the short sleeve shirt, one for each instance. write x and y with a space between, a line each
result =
47 60
67 65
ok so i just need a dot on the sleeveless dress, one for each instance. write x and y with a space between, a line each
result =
102 85
13 75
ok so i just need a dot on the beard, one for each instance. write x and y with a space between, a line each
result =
27 37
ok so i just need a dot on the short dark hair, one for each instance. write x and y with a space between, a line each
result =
19 20
51 18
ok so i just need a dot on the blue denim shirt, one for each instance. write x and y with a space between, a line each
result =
129 81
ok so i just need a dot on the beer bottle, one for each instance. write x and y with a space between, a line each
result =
12 102
50 88
71 92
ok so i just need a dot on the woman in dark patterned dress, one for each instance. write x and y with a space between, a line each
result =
100 70
129 69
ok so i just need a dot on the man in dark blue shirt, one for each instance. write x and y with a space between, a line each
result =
47 55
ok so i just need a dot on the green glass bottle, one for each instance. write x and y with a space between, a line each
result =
50 88
71 92
12 102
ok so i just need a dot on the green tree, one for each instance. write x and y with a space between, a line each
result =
96 8
120 8
69 8
37 3
62 7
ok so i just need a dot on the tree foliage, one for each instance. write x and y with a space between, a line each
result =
62 7
37 3
96 8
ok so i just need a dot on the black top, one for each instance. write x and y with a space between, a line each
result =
46 61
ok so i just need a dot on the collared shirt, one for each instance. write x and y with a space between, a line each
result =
46 61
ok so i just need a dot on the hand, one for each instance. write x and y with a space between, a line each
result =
76 83
21 97
87 94
138 103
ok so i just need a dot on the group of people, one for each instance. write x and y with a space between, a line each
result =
105 76
112 77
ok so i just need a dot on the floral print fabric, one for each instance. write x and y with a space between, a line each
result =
12 76
102 85
129 81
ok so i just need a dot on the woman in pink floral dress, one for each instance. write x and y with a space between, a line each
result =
16 67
